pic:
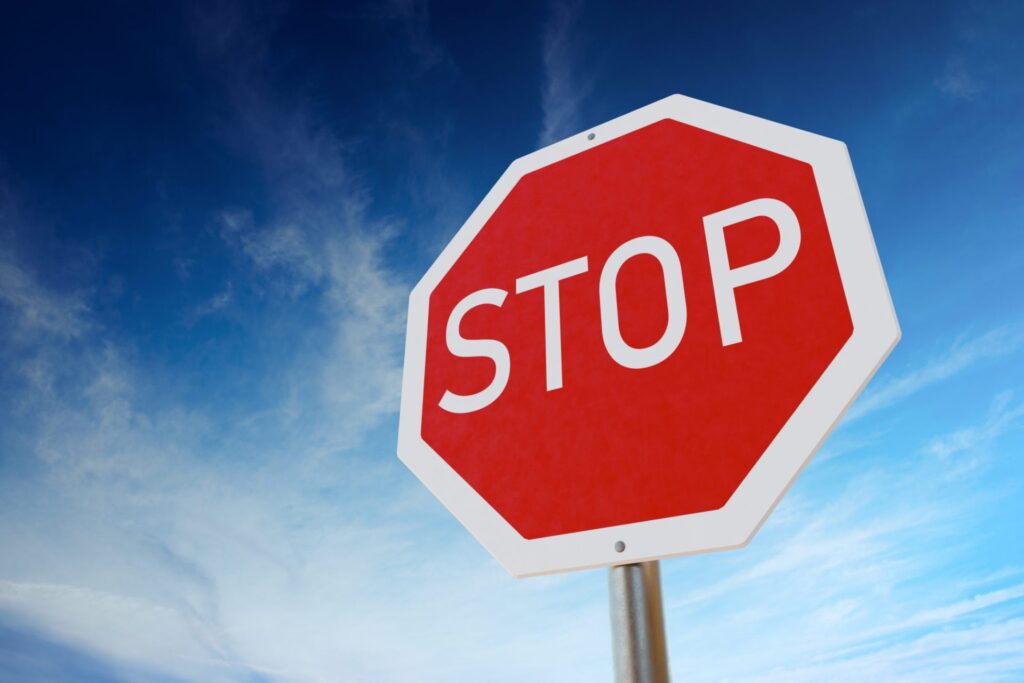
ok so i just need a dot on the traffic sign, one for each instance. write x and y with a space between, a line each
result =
642 334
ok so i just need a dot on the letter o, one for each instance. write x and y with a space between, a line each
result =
675 299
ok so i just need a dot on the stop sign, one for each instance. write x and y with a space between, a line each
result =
640 336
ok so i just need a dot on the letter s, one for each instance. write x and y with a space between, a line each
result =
476 348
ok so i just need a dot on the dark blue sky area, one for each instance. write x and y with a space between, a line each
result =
131 120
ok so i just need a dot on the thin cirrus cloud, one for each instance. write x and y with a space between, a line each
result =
957 81
563 86
320 238
964 353
889 390
1004 415
35 309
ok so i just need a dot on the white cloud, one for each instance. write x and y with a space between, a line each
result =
963 354
318 238
957 81
353 359
563 88
215 304
36 309
92 619
969 652
37 322
362 377
285 246
414 18
1003 416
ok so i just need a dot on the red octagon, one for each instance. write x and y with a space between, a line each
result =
575 438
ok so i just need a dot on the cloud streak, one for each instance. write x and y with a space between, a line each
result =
38 310
319 240
961 355
1003 416
563 89
957 82
414 18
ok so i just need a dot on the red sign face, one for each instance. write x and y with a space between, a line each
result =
613 444
627 330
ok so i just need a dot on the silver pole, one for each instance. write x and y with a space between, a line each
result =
638 625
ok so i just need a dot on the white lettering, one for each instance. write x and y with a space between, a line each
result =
726 280
624 354
548 280
477 348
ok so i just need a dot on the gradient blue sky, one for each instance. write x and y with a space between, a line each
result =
210 218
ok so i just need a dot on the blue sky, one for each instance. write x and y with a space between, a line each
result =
210 218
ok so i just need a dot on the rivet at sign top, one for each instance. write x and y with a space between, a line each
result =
619 546
590 136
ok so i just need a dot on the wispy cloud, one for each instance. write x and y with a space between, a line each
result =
563 87
965 652
36 309
414 18
957 81
964 353
282 248
332 248
215 304
37 322
1003 416
320 238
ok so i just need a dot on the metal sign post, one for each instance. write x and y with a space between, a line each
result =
638 625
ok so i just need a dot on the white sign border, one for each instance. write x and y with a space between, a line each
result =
875 333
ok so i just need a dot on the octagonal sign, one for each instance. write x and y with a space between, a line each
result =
640 337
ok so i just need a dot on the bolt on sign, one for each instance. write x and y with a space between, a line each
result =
642 334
